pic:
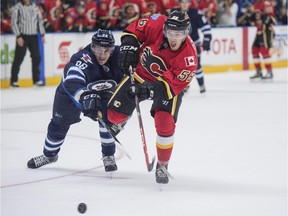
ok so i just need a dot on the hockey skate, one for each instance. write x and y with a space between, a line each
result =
109 163
202 89
257 75
40 161
268 76
14 85
161 174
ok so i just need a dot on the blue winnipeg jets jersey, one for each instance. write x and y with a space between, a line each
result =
198 21
83 69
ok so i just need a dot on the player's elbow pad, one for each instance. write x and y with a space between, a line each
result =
129 40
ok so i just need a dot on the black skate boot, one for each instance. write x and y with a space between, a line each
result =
257 75
268 76
202 89
186 89
109 163
161 174
40 161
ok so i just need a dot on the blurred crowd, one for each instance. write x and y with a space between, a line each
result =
88 15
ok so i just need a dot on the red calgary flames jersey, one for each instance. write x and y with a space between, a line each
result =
157 61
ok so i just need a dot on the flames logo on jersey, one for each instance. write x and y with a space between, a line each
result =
153 64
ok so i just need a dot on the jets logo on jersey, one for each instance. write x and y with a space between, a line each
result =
189 61
86 58
153 64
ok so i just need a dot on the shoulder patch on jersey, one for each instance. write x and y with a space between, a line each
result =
86 58
155 16
142 22
189 61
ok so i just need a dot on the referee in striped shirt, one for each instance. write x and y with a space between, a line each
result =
26 22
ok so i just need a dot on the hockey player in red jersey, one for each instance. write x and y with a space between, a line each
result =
263 41
165 59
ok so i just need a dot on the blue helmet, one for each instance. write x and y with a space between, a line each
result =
103 38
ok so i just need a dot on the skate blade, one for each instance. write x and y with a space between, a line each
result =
161 187
110 174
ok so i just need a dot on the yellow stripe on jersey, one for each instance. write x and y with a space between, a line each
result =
138 78
165 142
174 106
119 86
168 90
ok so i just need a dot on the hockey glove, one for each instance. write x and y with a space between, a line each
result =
143 91
129 53
206 45
91 104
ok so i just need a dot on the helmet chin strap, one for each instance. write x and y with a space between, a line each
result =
165 43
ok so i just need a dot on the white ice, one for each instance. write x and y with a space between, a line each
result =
229 157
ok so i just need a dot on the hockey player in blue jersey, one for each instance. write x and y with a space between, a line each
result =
86 86
198 21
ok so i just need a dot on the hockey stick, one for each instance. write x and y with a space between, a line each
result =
149 165
99 117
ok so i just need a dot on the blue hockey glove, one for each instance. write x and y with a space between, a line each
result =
91 104
143 91
206 45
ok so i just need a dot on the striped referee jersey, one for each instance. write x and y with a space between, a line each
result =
27 19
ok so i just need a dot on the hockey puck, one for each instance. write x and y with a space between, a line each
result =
82 208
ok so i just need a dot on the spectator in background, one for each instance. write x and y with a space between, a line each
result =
173 4
6 20
258 5
227 13
66 4
123 12
70 16
81 23
130 13
245 16
26 21
209 8
278 4
120 17
262 5
156 6
76 19
52 13
282 17
115 15
141 4
103 17
91 14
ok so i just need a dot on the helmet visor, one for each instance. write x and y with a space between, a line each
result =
175 34
101 51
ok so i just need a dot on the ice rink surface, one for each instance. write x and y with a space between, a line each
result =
229 157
